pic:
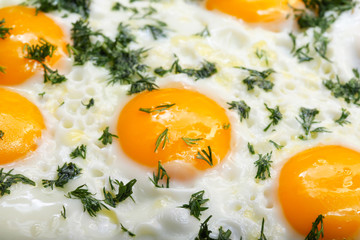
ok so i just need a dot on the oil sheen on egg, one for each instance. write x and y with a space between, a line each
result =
190 108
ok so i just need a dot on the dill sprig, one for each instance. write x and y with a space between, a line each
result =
157 30
343 118
195 204
90 204
257 78
241 107
316 233
191 141
124 64
301 53
349 91
67 172
142 84
307 119
262 235
157 109
276 145
207 157
124 191
131 234
81 7
106 137
63 212
263 164
251 148
207 70
204 33
262 54
204 232
164 138
4 31
7 179
79 151
275 116
39 53
90 104
161 174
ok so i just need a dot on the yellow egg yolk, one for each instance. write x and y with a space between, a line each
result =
20 124
322 180
192 122
254 11
27 27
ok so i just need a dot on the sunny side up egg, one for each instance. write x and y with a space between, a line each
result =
187 116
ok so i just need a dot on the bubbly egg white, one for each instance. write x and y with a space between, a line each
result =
238 201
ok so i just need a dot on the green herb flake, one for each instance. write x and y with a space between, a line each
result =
90 104
262 235
106 137
1 134
157 31
143 84
164 138
302 52
275 116
343 118
259 79
195 204
90 204
161 174
39 53
241 107
81 7
251 148
307 119
4 31
157 109
207 70
204 33
204 232
131 234
7 179
262 55
191 141
67 172
263 164
207 157
124 191
276 145
349 91
63 212
2 69
316 232
80 151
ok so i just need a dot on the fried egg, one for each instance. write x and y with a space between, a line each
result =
188 130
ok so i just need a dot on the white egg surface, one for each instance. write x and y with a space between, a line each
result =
179 119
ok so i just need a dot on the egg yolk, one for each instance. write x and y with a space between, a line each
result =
254 11
322 180
192 122
27 27
20 124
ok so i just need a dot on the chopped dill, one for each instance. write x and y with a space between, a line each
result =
161 174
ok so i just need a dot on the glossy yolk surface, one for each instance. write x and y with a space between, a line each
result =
254 11
27 28
322 180
193 116
21 123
